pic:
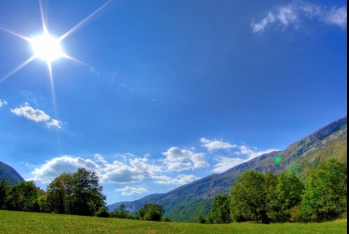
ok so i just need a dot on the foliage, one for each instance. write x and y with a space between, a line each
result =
287 194
151 212
3 188
102 212
22 196
325 196
201 219
249 195
77 193
167 219
220 211
121 212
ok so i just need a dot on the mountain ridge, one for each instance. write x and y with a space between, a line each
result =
9 174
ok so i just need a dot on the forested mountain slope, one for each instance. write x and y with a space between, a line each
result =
9 174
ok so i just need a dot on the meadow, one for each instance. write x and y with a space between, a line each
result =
30 222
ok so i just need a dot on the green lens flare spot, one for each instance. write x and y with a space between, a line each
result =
278 159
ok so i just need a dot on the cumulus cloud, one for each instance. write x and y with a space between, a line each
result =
216 144
136 169
2 103
225 163
180 179
56 166
130 190
36 115
291 14
181 160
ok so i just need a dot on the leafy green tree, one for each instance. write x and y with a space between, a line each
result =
220 211
57 192
22 196
325 196
3 188
250 195
151 212
78 193
286 195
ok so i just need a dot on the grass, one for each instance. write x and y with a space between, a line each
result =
28 222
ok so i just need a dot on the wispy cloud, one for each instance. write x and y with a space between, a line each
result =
2 103
216 144
36 115
131 190
180 179
245 154
292 14
181 160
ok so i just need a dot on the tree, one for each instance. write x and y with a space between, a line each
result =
3 188
151 212
22 196
325 196
77 193
220 211
250 194
286 195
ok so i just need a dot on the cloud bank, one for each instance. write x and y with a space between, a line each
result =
36 115
291 14
131 170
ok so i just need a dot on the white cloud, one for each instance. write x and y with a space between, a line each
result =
337 17
180 179
130 190
36 115
215 144
2 103
135 170
181 160
225 163
56 166
291 14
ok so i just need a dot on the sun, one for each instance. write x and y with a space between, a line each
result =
46 47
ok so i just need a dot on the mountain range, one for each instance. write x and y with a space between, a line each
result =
187 202
9 174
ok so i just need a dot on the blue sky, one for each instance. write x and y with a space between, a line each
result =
156 94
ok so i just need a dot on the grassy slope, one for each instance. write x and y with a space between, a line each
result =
27 222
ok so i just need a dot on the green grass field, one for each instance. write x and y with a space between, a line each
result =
27 222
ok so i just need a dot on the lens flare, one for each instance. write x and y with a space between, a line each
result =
278 159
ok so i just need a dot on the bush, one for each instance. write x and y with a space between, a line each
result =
201 219
102 212
166 219
295 214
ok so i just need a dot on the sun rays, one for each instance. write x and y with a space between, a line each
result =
47 47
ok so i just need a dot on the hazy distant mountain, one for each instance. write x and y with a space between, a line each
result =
188 201
9 174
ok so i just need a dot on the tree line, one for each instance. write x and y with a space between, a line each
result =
70 193
267 198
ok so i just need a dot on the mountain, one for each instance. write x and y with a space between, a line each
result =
187 202
9 174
